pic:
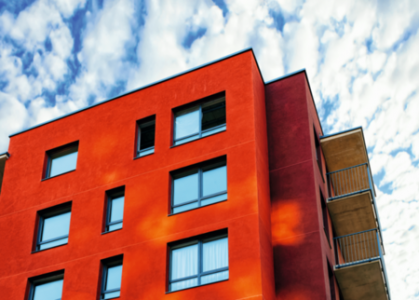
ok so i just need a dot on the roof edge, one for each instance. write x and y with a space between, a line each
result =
345 131
5 154
147 86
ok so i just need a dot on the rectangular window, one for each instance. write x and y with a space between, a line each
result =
115 209
325 216
199 121
331 281
47 287
62 160
198 261
318 151
112 276
146 135
199 185
54 226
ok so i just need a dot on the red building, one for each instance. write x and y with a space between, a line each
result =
211 184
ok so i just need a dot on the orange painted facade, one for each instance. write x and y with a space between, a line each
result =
277 246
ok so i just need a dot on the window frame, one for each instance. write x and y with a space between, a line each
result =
140 124
110 195
47 213
43 279
220 97
106 264
197 169
325 217
57 153
200 240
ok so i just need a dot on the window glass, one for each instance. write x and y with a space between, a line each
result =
146 136
55 228
214 181
213 115
185 189
48 291
187 123
200 263
113 282
116 212
63 164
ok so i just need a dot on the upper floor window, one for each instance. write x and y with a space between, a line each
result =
200 120
54 226
199 185
47 287
112 276
198 261
115 209
318 151
62 160
146 135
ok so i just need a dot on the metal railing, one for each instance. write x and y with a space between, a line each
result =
348 181
360 248
352 180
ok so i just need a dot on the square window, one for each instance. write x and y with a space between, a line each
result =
199 185
198 261
115 209
204 119
62 160
146 135
112 276
47 287
54 226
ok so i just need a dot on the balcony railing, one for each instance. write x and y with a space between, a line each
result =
358 248
345 182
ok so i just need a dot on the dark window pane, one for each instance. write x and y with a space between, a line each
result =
147 134
213 114
48 291
63 164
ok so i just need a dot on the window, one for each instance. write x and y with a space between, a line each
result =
325 216
62 160
47 287
54 226
112 275
198 261
318 151
331 281
146 134
200 120
199 186
115 209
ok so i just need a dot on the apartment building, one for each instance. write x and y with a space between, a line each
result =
211 184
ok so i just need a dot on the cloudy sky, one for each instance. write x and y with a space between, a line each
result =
361 57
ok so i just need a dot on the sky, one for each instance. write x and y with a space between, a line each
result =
361 57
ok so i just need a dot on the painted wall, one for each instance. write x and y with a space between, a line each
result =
106 135
300 246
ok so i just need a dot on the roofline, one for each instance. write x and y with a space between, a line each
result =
309 87
147 86
345 131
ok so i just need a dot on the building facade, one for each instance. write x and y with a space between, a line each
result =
209 185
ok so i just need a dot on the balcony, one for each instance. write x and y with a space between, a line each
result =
360 269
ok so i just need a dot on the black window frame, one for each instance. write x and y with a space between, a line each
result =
331 277
106 264
110 195
146 122
198 106
318 152
197 168
212 236
325 217
47 213
42 279
57 153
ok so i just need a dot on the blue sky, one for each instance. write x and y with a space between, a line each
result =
361 57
